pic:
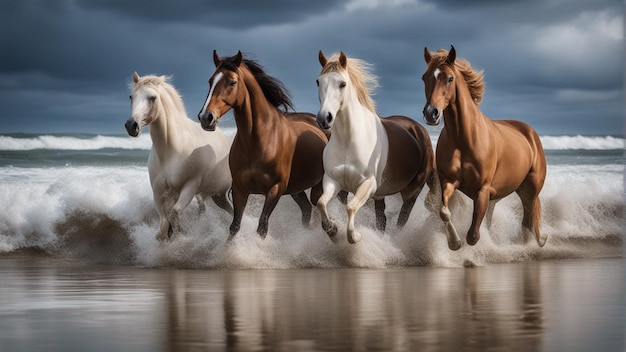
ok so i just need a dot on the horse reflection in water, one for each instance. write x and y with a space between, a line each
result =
184 160
370 156
485 159
273 152
498 307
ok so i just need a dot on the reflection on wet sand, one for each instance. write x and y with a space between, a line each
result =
49 304
351 309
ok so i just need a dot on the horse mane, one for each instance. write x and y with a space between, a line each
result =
360 73
273 89
474 79
163 82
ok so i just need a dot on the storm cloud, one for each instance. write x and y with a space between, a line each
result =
66 64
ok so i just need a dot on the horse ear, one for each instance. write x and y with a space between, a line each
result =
217 60
427 55
451 55
322 58
135 77
343 60
239 58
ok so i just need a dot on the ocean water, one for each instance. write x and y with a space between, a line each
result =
88 197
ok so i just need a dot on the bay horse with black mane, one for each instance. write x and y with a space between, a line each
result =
273 152
485 159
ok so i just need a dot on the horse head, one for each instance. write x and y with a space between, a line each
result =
331 88
226 90
143 104
439 83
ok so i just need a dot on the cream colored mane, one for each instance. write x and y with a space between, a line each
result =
359 71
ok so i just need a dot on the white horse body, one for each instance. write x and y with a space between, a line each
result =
366 155
184 160
356 154
357 149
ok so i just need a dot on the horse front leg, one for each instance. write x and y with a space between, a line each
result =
271 199
329 187
481 203
364 192
454 242
185 196
240 198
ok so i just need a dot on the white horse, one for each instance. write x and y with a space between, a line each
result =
366 155
185 161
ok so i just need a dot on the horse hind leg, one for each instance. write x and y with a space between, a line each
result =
381 219
405 211
221 200
305 206
531 221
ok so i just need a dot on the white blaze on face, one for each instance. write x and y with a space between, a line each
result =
208 98
437 72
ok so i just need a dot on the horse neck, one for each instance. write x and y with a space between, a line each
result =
463 119
256 117
354 120
165 129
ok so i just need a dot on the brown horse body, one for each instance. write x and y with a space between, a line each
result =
485 159
273 152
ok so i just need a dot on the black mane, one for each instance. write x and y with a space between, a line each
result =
273 89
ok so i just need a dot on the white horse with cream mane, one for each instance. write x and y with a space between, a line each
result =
185 161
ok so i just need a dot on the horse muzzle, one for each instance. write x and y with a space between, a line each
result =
432 115
132 127
208 121
325 121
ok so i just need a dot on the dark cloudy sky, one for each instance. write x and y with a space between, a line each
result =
556 64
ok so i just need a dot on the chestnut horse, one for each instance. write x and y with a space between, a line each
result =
273 152
485 159
367 155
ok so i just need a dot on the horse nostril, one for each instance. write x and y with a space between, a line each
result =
329 118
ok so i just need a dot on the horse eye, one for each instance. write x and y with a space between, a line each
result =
152 98
450 79
233 82
342 84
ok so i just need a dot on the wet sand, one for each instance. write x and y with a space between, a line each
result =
56 304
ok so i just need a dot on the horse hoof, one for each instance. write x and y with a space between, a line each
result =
263 235
356 237
455 245
472 240
331 229
541 241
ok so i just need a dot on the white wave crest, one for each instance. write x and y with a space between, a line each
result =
70 142
582 142
75 143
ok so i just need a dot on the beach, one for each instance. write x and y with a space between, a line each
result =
81 270
552 305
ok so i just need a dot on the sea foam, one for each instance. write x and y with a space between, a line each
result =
106 214
95 142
